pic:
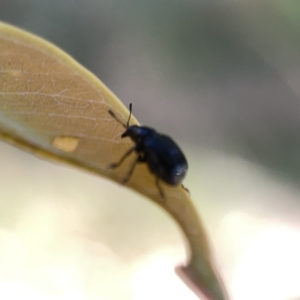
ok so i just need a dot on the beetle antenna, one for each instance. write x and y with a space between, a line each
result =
130 111
117 119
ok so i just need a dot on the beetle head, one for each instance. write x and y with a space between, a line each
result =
136 133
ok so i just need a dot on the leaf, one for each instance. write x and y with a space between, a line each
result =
52 106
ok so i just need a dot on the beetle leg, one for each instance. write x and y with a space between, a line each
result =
130 171
117 164
161 192
142 157
187 190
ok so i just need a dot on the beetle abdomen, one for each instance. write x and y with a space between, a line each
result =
165 159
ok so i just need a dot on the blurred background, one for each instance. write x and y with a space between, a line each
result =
223 79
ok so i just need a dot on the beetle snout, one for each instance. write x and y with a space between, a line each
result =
124 134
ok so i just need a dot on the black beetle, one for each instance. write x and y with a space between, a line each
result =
164 158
